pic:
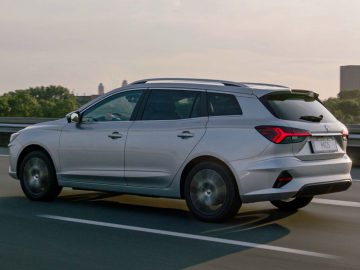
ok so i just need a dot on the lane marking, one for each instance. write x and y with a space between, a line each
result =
191 236
336 202
4 155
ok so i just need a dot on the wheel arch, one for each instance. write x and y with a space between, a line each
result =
28 149
198 160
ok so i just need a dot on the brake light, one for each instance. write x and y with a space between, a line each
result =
283 135
345 134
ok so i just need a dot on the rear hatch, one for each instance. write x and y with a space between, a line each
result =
303 110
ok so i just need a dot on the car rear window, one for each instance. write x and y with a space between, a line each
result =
297 107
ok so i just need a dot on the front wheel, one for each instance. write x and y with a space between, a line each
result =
211 192
38 178
292 204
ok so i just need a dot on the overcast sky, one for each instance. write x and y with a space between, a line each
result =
80 43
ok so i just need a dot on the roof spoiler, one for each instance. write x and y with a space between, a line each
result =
309 93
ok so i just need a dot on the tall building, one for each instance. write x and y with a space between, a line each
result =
349 77
101 89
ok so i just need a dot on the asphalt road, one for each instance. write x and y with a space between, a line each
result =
89 230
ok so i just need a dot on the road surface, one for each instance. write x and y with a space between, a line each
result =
90 230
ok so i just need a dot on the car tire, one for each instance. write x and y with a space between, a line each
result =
38 178
211 192
293 204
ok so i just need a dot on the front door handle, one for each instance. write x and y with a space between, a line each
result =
185 134
115 135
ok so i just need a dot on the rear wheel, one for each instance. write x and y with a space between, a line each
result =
211 192
292 204
38 178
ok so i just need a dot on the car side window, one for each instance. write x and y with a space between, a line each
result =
118 107
223 104
172 104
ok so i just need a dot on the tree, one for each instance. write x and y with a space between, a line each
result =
350 94
50 101
346 107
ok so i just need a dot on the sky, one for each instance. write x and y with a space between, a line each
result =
80 43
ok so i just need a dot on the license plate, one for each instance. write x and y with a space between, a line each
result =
324 145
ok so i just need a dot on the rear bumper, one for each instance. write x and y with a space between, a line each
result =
256 179
324 188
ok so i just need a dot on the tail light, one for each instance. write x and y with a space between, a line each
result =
283 135
345 134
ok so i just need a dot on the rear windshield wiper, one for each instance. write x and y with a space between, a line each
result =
312 118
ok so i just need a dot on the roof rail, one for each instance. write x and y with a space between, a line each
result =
263 84
225 83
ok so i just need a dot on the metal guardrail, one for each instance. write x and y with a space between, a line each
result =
24 120
10 125
14 124
11 128
354 140
354 129
354 136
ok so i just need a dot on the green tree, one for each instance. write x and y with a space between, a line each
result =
351 94
346 107
50 101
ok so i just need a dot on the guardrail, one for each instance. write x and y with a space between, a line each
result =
24 120
13 124
354 136
10 125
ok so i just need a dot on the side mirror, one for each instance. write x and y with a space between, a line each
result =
73 117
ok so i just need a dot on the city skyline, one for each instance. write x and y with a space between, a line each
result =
78 44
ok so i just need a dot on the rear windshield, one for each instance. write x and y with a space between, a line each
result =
297 107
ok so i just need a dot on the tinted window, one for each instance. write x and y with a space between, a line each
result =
223 104
297 107
115 108
172 104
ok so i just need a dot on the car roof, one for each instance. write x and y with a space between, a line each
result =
248 88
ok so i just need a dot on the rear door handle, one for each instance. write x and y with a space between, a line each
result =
115 135
185 134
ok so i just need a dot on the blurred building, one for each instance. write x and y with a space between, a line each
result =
349 77
124 83
81 100
101 89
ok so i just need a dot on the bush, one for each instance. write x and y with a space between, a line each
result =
50 101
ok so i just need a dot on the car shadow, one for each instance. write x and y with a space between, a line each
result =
255 226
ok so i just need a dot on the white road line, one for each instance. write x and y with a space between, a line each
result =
191 236
4 155
336 202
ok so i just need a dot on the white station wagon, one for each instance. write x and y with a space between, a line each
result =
216 144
